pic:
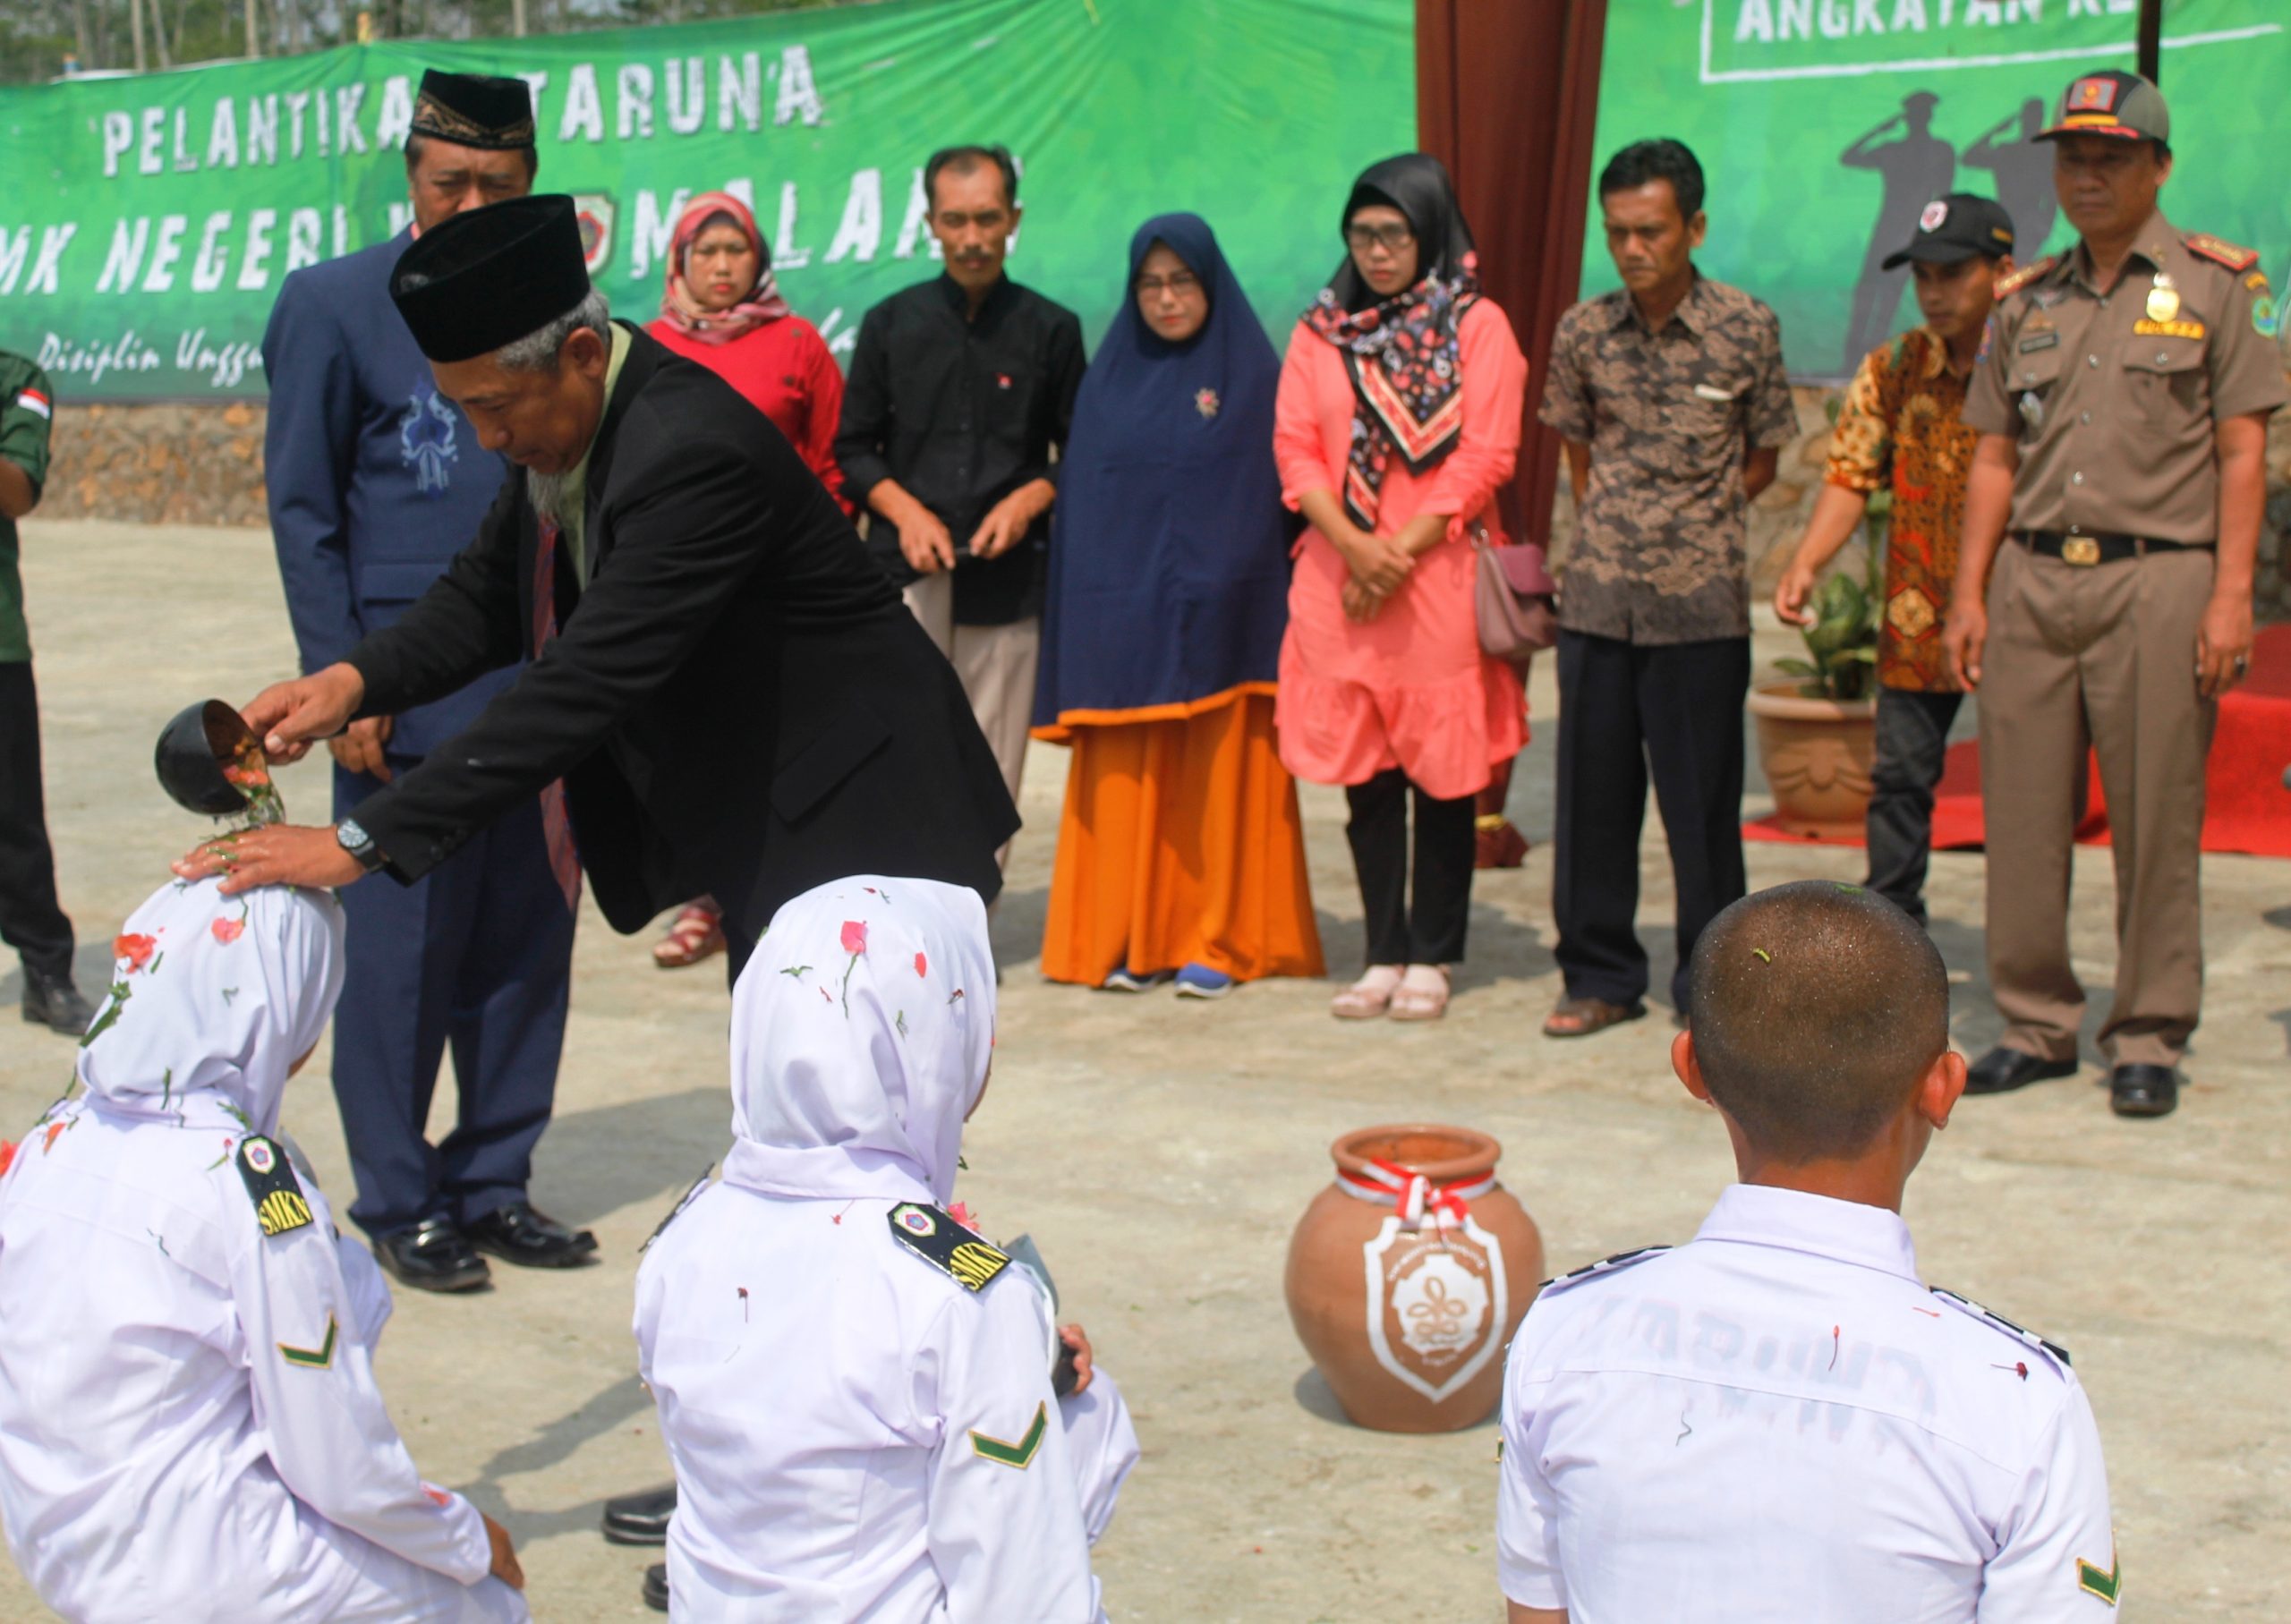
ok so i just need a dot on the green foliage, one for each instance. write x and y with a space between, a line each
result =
1841 659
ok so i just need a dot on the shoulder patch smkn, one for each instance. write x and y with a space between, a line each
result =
1606 1266
932 1234
271 1185
1021 1454
1991 1317
313 1358
2220 251
2027 274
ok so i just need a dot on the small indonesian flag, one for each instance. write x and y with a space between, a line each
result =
32 400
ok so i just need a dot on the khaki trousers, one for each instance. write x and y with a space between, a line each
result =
2101 656
996 665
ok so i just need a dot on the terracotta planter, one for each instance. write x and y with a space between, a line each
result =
1816 754
1407 1297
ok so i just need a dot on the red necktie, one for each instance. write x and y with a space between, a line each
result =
557 827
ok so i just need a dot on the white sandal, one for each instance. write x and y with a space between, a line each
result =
1369 997
1419 996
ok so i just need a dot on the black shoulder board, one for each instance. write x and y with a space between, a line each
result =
1994 1318
932 1234
271 1185
1606 1266
677 1212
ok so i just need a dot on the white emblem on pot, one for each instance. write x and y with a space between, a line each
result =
1437 1303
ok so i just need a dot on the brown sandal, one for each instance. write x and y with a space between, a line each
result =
698 933
1590 1014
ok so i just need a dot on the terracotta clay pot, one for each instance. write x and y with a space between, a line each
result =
1407 1319
1816 754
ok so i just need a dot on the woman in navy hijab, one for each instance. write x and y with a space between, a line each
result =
1181 850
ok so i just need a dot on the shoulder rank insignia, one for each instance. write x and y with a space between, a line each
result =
1021 1454
2220 251
2027 274
271 1185
1606 1266
932 1234
313 1358
2107 1586
1989 1316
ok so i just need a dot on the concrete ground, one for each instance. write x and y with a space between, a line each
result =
1161 1152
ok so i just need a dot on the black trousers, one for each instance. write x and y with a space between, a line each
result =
31 922
1913 739
1628 711
1428 928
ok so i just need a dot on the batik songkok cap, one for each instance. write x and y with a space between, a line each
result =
490 277
2114 103
475 110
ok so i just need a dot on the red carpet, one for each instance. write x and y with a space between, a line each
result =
2246 808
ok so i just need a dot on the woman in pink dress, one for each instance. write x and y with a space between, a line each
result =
1398 420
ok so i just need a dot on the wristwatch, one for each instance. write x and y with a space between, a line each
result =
352 839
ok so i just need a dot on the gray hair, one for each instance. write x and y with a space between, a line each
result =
537 351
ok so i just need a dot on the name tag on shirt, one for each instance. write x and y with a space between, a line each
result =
1711 392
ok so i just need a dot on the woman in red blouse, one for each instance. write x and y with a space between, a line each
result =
723 308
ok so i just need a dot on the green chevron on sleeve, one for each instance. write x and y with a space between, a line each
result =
313 1358
1020 1454
2104 1586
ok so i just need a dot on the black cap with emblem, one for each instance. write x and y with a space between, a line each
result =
475 110
1955 229
486 278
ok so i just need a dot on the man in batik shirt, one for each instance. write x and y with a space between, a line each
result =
1902 429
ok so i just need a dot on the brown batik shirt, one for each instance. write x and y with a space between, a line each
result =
1902 428
1668 416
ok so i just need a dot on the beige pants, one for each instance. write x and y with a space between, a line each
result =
996 665
2101 656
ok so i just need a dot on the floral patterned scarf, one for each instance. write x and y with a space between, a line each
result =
1403 354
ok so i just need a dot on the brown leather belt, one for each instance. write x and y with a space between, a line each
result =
2085 549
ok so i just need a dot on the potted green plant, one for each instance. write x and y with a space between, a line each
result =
1817 731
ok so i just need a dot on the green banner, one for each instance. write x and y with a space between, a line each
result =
150 219
1824 127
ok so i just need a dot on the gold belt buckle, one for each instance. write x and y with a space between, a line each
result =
2083 551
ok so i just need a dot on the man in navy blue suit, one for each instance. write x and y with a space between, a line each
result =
376 481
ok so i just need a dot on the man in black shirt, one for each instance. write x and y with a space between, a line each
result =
958 389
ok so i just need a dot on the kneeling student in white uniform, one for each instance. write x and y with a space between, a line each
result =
856 1389
189 1425
1779 1420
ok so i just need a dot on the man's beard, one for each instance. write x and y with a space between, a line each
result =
546 492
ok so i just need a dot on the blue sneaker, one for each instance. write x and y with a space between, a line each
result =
1199 981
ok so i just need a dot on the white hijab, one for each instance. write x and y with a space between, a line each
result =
862 1031
213 999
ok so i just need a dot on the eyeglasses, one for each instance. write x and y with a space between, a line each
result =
1182 284
1392 239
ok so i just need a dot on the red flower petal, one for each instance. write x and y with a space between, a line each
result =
855 935
228 931
135 949
921 964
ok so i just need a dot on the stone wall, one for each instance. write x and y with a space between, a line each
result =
202 464
158 464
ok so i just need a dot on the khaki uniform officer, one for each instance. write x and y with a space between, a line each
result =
2122 399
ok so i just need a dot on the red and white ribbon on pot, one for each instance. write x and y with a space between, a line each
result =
1416 1197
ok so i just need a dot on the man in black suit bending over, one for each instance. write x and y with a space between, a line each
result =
730 693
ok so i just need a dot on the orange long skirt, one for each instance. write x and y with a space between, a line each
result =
1181 843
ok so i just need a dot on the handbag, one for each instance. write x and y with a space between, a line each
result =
1511 599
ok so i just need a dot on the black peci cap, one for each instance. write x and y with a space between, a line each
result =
475 110
1955 229
488 277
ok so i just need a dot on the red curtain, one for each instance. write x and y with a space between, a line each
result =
1506 94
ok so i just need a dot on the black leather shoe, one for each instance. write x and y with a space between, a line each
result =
2143 1091
434 1255
54 1002
518 1234
656 1587
641 1519
2002 1070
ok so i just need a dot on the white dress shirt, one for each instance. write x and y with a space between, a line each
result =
1779 1421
